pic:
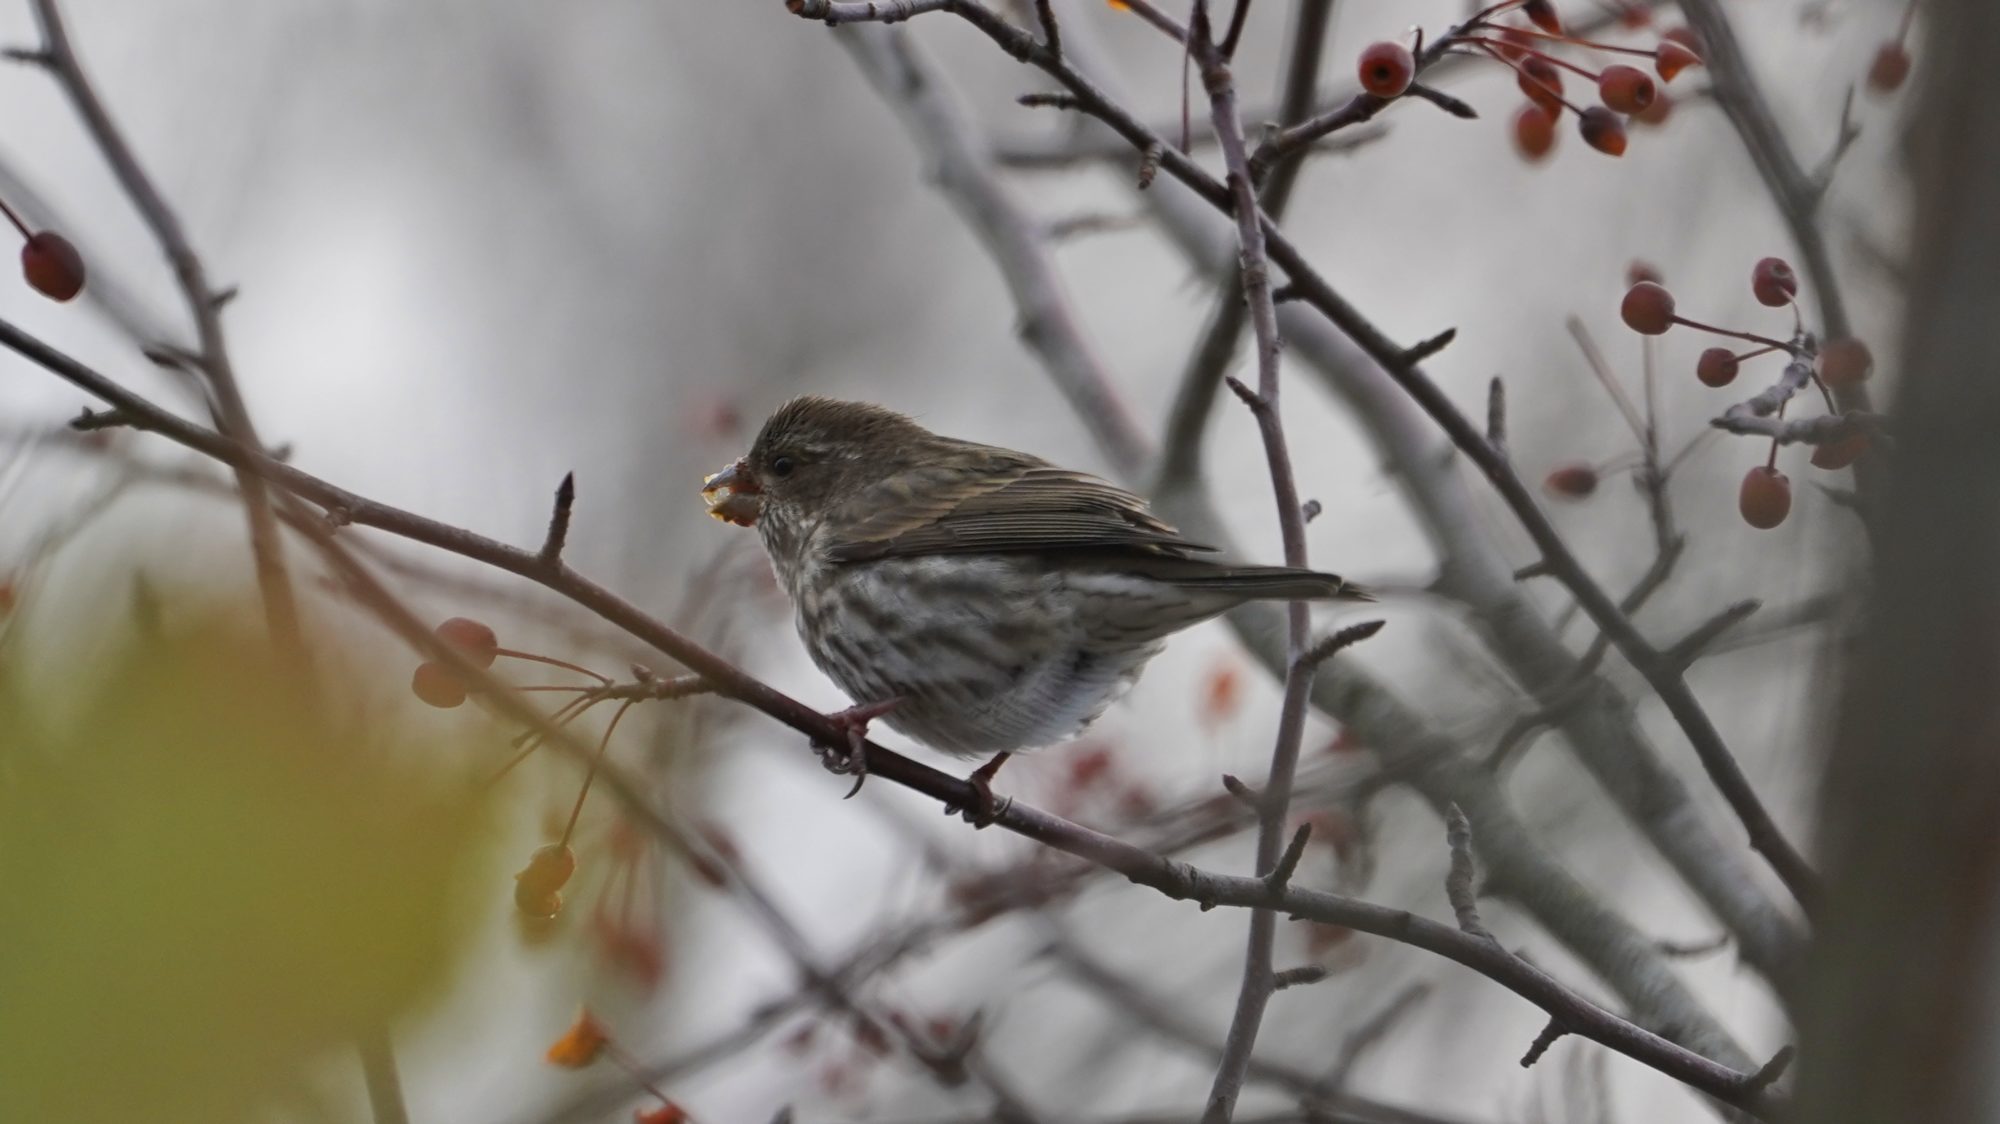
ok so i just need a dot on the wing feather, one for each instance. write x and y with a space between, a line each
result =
1000 502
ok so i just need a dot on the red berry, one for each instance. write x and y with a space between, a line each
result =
1766 498
1648 308
1890 68
1845 362
1602 130
1841 453
472 638
1626 89
437 685
52 265
1572 481
1657 113
1543 13
1774 283
1640 270
1716 367
1386 69
1633 16
548 870
1534 132
1670 58
1543 83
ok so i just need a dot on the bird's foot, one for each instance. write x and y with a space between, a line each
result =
985 807
851 757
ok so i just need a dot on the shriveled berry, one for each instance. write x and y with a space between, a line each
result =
1542 82
1534 132
1670 58
1386 69
1572 481
1648 308
1543 15
1602 130
1845 362
475 640
1773 282
1841 453
52 265
437 685
1640 270
1717 367
1626 89
1766 497
1890 68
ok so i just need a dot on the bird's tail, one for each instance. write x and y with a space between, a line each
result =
1272 583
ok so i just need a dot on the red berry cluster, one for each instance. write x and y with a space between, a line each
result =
436 683
1626 92
1766 495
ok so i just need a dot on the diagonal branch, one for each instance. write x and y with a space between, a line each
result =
204 305
1175 879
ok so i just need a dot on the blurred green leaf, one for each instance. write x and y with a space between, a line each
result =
207 882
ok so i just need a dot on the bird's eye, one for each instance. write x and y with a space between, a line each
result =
782 466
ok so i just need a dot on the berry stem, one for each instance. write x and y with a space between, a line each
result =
1493 53
15 219
1552 60
1590 43
603 744
1755 352
553 662
637 1072
1753 337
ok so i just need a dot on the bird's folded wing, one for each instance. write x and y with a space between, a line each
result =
1005 505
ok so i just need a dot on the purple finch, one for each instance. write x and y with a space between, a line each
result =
984 600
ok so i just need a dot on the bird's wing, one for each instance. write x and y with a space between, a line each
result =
1004 503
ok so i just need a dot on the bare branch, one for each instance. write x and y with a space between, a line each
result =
552 545
1458 883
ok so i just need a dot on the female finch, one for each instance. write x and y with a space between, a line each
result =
978 599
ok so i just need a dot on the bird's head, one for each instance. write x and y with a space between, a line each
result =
811 454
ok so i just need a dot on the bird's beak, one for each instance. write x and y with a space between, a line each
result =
732 495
